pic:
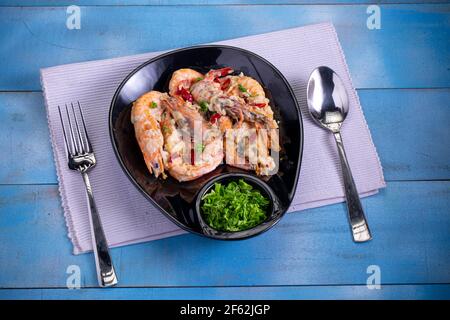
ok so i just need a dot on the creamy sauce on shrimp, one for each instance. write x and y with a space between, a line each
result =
203 120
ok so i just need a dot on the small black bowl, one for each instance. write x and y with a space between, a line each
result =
274 212
176 200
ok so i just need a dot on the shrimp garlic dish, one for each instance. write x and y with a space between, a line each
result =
206 120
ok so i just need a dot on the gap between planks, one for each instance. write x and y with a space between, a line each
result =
274 4
236 286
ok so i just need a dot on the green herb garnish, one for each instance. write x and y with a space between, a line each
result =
241 88
203 106
153 105
199 147
198 79
234 207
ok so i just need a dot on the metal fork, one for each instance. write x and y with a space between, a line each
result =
81 158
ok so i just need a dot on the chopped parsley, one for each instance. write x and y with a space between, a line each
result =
234 207
198 79
153 105
241 88
203 106
199 147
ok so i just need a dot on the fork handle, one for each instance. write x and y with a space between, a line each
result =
103 263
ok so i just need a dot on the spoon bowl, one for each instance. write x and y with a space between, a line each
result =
327 98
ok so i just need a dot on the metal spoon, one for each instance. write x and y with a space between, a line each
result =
328 105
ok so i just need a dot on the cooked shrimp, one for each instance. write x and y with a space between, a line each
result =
265 162
186 133
253 105
195 147
240 148
204 91
254 96
181 81
240 97
209 89
224 123
242 111
244 86
247 147
146 117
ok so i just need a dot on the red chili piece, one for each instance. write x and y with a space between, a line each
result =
225 71
259 105
225 84
186 95
214 118
219 73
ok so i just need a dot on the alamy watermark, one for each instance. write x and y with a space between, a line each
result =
73 21
374 20
374 279
74 279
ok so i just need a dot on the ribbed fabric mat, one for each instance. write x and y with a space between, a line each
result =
126 215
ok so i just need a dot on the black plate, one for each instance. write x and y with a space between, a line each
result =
178 201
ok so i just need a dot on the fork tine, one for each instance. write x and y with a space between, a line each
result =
66 144
88 142
73 140
79 135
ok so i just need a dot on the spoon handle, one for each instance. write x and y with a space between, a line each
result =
360 228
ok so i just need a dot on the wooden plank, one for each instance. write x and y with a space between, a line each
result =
25 142
413 292
409 51
409 128
39 3
406 153
409 221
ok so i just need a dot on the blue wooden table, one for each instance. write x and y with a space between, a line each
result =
402 75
